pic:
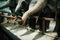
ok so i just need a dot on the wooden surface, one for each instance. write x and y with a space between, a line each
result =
24 34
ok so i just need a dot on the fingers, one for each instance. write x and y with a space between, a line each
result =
21 22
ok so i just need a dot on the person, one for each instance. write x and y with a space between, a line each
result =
32 19
33 10
22 7
37 8
18 6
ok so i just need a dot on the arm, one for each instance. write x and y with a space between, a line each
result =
19 5
34 9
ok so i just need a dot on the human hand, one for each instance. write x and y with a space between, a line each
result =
21 21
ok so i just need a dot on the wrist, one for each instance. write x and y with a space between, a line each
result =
25 15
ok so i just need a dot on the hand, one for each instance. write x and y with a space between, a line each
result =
21 22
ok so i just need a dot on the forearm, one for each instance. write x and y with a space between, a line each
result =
18 5
34 9
38 6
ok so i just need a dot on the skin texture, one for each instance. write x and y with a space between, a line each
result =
34 9
18 5
29 12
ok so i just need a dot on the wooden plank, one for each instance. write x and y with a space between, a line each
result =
33 35
45 18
